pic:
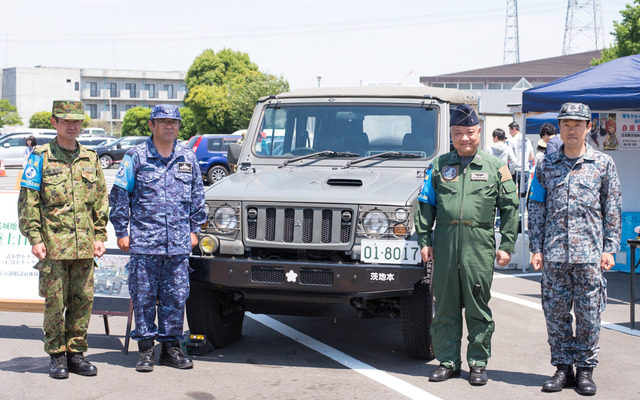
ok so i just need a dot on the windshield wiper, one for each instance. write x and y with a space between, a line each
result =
326 153
386 154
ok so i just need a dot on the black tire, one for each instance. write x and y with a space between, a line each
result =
106 161
207 315
216 173
417 313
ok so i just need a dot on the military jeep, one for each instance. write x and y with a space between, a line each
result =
319 215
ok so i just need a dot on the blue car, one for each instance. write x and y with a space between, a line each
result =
211 151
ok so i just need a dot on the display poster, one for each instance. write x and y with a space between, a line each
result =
615 131
18 278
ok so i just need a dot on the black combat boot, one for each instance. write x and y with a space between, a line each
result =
478 376
79 365
172 356
584 381
58 368
145 355
443 373
561 379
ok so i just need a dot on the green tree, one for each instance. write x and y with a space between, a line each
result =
627 34
210 106
188 124
41 120
8 114
243 99
225 67
136 122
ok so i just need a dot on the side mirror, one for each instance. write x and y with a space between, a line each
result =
233 154
119 146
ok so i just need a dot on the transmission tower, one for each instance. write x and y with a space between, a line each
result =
511 39
583 27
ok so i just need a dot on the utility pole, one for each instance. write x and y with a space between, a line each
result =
511 38
583 27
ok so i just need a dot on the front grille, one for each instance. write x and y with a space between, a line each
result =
291 226
267 274
314 276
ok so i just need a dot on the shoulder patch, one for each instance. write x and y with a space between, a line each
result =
506 175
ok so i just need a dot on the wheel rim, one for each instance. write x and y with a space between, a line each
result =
217 174
105 162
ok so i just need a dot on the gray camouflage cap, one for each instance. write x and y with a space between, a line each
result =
577 111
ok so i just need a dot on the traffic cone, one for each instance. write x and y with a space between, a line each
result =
3 172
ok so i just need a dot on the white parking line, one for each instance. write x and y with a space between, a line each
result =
367 370
538 306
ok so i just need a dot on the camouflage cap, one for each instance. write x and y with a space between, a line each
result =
168 111
68 109
577 111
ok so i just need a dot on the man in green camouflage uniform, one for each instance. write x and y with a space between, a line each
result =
461 192
62 210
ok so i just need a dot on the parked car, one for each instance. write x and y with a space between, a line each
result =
93 132
12 145
211 151
92 141
114 152
320 215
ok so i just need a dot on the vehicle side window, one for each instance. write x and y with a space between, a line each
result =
214 144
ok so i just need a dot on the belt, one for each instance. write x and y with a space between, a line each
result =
465 223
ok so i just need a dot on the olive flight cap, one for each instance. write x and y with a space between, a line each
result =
463 115
168 111
68 109
577 111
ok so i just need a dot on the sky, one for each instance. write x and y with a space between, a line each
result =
345 42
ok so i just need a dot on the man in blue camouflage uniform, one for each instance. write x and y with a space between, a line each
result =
157 208
574 227
461 192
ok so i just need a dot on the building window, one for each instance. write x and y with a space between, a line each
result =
127 107
183 88
151 88
93 89
114 111
437 84
508 86
169 90
477 86
93 111
451 85
464 86
495 86
77 86
131 87
113 89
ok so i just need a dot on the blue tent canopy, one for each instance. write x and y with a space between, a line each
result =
614 85
535 123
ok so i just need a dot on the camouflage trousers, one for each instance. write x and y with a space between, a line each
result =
162 282
67 288
581 287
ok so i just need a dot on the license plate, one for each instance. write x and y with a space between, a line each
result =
390 251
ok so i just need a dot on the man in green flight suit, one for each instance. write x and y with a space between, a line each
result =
62 210
462 190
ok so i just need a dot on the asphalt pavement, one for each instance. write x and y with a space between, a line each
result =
321 358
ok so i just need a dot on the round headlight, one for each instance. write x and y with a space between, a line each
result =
208 244
225 219
375 223
401 214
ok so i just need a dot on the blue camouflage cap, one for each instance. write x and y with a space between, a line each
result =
577 111
463 115
168 111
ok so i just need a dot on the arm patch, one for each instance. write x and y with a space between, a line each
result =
506 175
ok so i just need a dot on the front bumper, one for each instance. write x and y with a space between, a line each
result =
306 277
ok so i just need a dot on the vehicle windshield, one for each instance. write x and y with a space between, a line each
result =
293 131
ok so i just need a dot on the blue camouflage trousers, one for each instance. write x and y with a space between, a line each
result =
582 287
162 282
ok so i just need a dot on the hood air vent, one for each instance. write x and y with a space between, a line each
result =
344 182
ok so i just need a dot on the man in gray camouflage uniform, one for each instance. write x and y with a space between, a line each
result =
574 226
157 208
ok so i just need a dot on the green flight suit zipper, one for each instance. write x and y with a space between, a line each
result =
464 174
